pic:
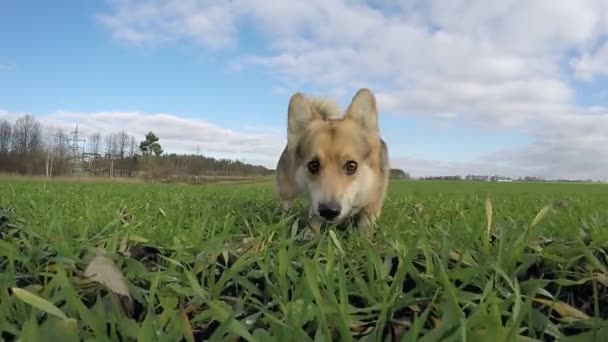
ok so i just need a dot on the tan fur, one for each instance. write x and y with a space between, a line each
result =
318 131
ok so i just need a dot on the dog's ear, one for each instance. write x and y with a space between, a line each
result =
299 115
363 110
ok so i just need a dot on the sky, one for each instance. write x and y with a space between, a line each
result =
507 87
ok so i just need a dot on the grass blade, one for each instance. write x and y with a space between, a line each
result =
38 302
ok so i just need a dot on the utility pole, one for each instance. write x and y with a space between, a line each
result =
75 147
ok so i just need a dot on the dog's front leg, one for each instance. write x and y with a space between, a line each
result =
366 223
311 227
314 222
368 218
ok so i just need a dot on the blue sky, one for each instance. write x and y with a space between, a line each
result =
93 57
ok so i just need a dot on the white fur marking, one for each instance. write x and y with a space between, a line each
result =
358 193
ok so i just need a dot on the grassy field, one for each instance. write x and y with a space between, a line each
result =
450 261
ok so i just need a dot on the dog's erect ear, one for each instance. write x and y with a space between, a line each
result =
362 109
299 115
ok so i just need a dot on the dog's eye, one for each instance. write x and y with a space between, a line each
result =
351 167
313 167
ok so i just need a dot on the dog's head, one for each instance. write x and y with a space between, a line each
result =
336 159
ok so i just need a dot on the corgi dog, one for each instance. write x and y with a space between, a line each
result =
337 160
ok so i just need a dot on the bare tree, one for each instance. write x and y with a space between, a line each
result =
94 146
5 136
95 143
27 144
48 147
57 148
62 150
61 144
116 145
133 147
27 147
27 135
110 145
122 142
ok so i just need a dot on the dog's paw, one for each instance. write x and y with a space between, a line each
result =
286 206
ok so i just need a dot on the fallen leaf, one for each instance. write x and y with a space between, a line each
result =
563 309
489 214
104 271
185 322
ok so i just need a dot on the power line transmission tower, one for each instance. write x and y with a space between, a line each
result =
77 156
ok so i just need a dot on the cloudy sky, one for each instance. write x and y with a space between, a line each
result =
512 87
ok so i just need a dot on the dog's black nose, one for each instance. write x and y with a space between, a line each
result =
329 210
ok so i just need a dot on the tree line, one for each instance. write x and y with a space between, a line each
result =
29 148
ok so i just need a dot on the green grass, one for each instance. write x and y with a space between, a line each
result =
218 262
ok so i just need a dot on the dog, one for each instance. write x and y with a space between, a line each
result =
337 160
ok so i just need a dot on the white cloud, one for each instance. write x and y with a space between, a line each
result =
571 145
156 22
591 63
502 63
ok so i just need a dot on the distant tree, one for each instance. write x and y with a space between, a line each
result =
27 147
400 174
132 147
115 145
59 153
27 144
95 143
61 143
27 135
122 143
151 145
110 146
5 136
49 146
